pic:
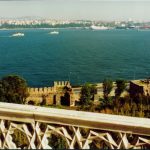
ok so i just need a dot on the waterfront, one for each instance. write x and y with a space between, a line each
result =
75 54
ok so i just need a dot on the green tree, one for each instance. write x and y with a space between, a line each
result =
13 89
121 86
107 88
87 93
93 91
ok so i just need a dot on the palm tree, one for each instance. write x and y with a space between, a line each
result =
107 88
121 86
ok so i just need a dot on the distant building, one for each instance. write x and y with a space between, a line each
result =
140 87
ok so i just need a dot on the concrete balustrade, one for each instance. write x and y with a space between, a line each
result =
102 130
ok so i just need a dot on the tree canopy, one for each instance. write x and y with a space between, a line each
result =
107 88
121 86
87 93
13 89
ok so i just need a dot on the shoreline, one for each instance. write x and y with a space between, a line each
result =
76 28
41 28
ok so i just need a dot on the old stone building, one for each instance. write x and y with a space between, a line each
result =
140 87
57 95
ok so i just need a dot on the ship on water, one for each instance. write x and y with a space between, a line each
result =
99 27
18 34
54 32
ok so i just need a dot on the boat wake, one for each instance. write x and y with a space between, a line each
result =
17 35
54 32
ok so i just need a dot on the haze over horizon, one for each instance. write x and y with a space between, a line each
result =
108 10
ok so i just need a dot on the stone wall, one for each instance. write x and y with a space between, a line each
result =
51 95
61 84
41 90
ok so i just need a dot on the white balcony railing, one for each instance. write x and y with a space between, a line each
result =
102 130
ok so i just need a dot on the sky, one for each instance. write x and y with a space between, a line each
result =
105 10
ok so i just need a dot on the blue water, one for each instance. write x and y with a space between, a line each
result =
76 55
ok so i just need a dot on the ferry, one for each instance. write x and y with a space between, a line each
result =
54 32
17 34
99 27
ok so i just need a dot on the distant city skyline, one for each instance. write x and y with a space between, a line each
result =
108 10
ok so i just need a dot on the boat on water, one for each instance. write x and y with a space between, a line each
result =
99 27
18 34
54 32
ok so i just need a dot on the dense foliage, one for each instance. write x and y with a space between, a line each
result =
121 86
13 89
107 88
126 104
87 94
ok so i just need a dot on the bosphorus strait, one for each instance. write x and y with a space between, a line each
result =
75 54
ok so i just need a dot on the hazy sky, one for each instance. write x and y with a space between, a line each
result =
77 9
